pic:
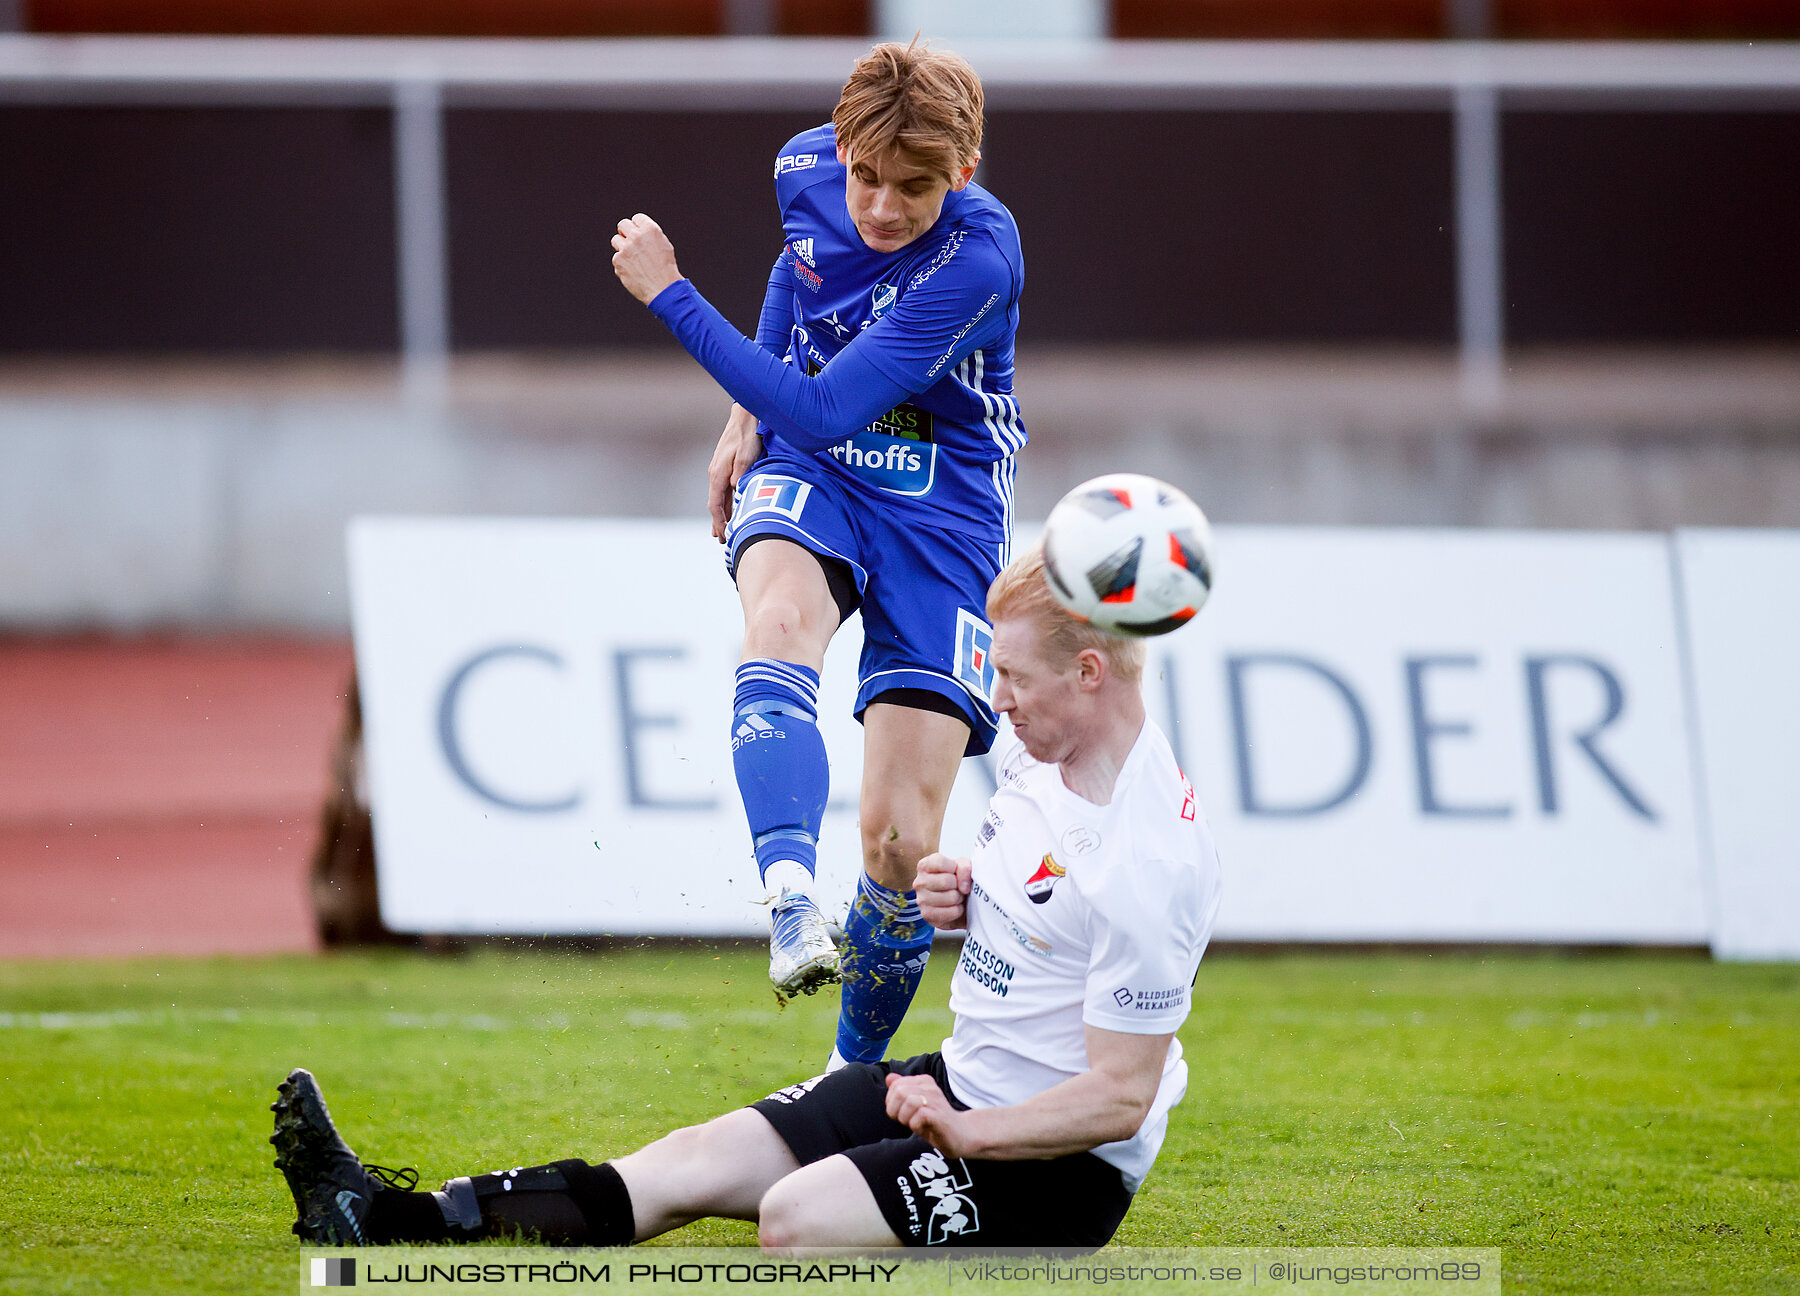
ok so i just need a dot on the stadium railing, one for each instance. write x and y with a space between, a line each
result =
418 78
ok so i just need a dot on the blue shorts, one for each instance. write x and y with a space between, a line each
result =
923 588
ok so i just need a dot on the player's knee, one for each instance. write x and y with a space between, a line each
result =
775 622
784 1217
890 854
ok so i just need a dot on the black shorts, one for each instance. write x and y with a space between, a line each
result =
1072 1202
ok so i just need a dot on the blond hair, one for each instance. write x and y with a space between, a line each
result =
1022 590
923 103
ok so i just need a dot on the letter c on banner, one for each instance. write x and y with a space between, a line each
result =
451 742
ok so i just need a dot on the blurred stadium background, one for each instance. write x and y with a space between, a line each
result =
1520 266
1520 263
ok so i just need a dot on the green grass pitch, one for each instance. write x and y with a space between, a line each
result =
1616 1123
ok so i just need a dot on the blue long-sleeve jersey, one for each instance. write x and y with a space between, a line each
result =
895 369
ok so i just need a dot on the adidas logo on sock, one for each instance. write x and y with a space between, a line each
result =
753 727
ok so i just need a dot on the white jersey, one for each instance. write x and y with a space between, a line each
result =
1081 914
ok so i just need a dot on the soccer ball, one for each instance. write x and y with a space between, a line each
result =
1129 554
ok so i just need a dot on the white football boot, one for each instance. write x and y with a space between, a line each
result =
801 955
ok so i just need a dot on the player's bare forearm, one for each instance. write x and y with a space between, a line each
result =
1077 1115
1104 1104
942 885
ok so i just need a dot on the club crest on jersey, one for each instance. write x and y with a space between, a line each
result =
1040 884
768 493
882 298
974 654
1187 799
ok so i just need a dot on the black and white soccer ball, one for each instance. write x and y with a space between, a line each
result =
1130 554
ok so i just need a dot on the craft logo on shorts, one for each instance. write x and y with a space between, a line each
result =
333 1271
945 1184
795 162
1040 884
769 493
974 654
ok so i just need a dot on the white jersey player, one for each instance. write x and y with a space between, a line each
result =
1081 915
1088 900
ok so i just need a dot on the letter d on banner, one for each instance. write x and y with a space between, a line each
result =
1236 669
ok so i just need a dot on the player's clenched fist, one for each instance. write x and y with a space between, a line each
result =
643 257
917 1103
943 888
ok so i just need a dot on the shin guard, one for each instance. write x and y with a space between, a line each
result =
565 1203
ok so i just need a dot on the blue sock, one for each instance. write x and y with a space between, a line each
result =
779 757
886 945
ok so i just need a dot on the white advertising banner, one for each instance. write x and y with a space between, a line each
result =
1397 735
1741 591
1418 735
547 711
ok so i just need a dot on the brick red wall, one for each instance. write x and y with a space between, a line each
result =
162 795
435 17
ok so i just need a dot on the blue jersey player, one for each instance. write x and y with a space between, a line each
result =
867 464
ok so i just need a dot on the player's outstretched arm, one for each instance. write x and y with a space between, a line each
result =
809 413
1103 1104
942 884
740 445
938 321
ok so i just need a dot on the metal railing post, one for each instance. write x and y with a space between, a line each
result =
1480 269
420 253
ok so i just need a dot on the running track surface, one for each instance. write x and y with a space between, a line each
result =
162 795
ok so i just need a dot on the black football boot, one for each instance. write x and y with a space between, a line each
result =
333 1191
